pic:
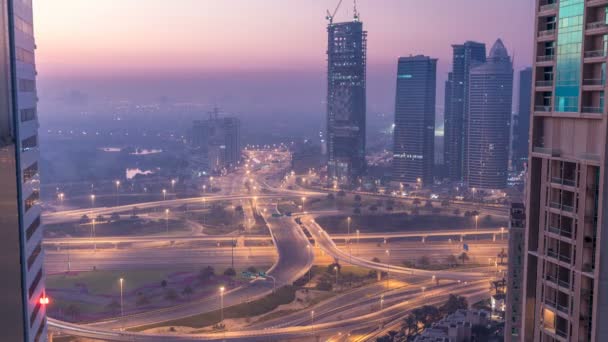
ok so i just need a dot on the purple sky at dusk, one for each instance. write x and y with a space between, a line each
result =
253 55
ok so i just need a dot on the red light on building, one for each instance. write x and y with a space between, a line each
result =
44 300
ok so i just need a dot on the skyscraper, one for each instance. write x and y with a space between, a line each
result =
488 121
465 56
218 140
521 122
21 257
566 267
346 100
414 135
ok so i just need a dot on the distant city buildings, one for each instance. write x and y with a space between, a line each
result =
218 142
490 92
566 257
346 100
23 300
457 327
414 133
305 156
515 275
465 56
521 121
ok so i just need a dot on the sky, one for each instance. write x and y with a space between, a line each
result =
251 56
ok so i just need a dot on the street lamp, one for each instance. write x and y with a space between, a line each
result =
92 204
336 269
167 220
381 302
93 235
476 219
350 255
122 312
358 232
60 196
222 289
164 194
117 186
303 201
388 268
173 185
502 231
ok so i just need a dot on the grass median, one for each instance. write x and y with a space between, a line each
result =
283 295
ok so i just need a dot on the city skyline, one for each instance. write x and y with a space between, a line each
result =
76 61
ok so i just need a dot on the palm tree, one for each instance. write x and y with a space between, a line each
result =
410 325
464 257
502 255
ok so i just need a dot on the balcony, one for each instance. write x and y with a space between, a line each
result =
595 54
553 152
560 257
545 58
597 27
542 109
595 3
544 83
561 333
592 110
557 306
558 282
547 8
560 231
594 82
546 35
563 181
561 206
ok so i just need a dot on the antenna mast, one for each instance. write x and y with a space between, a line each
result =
355 13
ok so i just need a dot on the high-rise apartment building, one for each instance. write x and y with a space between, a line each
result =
414 135
566 267
490 92
513 311
521 121
464 57
21 258
218 140
346 100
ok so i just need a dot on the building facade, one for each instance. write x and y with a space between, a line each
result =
456 106
490 94
346 101
513 312
566 283
218 141
414 134
521 122
22 305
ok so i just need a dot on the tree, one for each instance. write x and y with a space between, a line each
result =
252 269
428 204
115 217
454 303
357 198
187 291
456 211
445 203
341 193
426 315
464 257
357 211
451 260
410 325
417 202
424 261
330 197
375 259
502 255
230 272
163 283
206 273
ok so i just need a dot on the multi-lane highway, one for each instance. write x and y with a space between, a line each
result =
293 256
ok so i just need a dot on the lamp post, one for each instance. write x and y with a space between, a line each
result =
60 196
336 269
173 185
388 268
117 186
312 322
167 220
222 289
93 235
348 240
303 201
358 232
381 302
164 194
122 311
476 219
502 231
92 204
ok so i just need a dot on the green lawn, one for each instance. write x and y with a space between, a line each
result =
107 282
284 295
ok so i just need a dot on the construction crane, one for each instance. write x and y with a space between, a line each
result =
330 16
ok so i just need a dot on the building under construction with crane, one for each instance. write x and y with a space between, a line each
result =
346 98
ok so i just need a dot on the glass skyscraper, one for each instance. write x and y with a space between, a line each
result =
21 257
